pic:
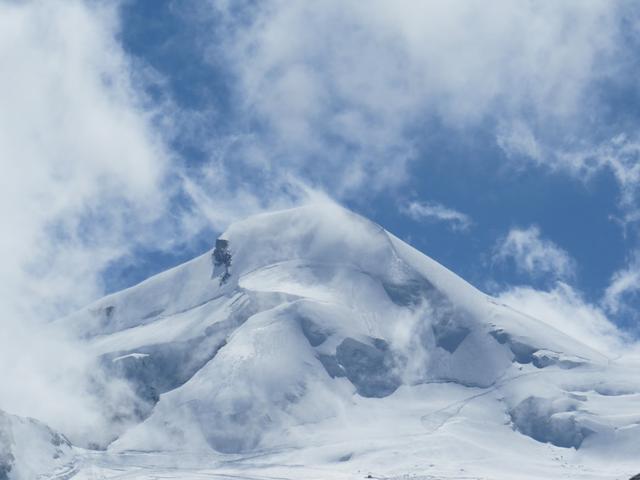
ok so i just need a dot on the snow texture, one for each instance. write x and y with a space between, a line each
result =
29 448
332 349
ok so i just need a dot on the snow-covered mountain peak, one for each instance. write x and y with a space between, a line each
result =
302 321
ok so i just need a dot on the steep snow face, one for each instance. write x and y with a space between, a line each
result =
29 448
320 319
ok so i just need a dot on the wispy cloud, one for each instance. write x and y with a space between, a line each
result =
623 289
565 309
517 140
534 255
437 212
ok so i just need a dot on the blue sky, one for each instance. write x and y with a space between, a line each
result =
499 138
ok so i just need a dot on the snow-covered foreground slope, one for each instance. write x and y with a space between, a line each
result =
29 449
335 349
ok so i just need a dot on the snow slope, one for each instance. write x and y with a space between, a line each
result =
335 349
29 449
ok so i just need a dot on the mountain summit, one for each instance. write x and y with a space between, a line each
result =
313 336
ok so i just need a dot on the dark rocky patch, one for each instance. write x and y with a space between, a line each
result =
448 335
369 368
543 360
409 293
539 419
346 458
522 352
167 366
6 440
315 334
332 367
221 258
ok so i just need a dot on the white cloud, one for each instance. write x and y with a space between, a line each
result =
79 157
517 140
85 178
564 309
533 254
434 211
621 156
623 287
339 84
